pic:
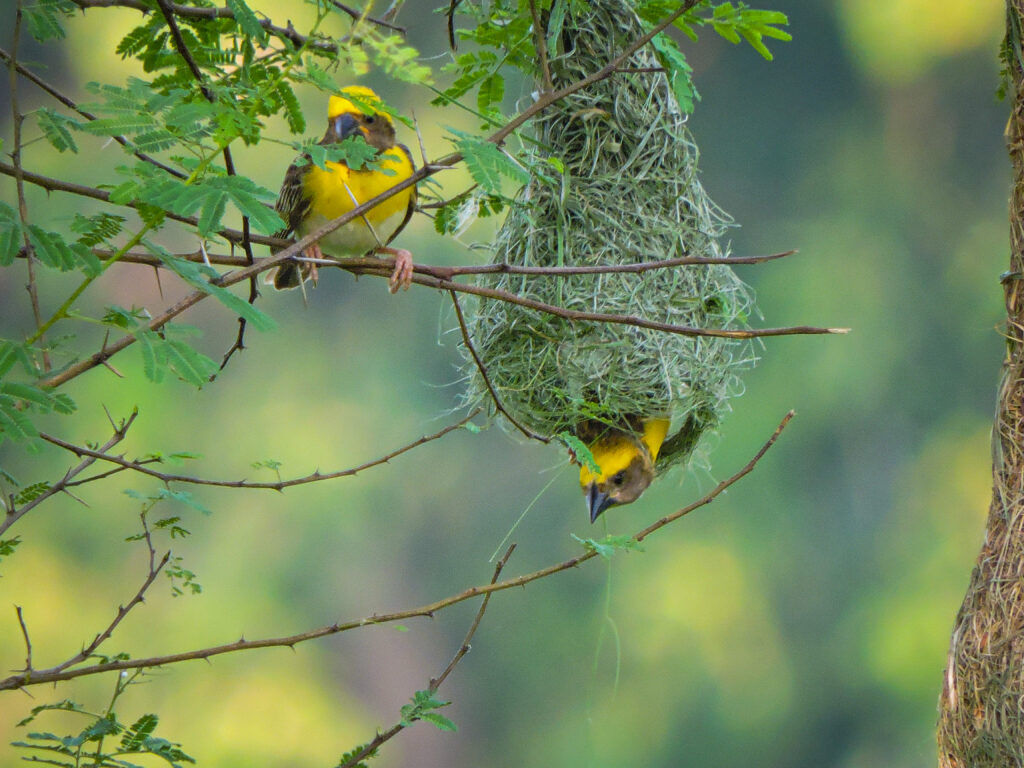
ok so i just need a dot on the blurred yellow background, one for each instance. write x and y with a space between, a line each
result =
800 621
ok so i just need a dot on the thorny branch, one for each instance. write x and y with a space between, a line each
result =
361 265
194 12
22 680
542 103
19 175
29 674
16 513
33 78
435 683
141 466
229 165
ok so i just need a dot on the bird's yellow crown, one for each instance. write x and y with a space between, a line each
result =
361 100
615 452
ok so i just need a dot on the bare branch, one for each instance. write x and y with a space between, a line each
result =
24 634
141 467
357 16
483 373
359 265
13 515
122 612
540 41
435 682
22 680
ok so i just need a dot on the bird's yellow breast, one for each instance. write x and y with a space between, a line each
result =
338 189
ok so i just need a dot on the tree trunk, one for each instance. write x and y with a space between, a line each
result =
981 709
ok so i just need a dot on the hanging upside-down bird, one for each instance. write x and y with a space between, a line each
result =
311 196
627 459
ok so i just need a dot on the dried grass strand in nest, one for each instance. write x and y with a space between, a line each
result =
630 194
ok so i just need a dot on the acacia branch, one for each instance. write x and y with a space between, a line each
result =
23 680
229 165
359 265
58 185
19 175
15 514
33 78
430 169
435 682
141 467
191 12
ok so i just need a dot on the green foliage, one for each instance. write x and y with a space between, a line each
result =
56 128
7 546
581 453
86 747
610 544
487 163
422 708
461 210
17 401
347 758
43 18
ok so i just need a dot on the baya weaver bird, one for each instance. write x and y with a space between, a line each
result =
627 458
311 196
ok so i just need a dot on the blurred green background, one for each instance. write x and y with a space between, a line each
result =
800 621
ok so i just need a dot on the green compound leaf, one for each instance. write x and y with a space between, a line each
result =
248 22
55 127
487 164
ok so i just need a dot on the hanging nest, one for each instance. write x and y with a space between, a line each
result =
630 194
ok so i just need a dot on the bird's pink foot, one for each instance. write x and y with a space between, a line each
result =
402 276
313 252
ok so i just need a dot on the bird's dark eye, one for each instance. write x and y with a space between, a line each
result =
370 119
619 477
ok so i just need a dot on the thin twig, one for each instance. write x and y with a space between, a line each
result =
122 612
22 680
435 683
194 12
24 634
487 379
280 485
358 16
33 78
450 13
19 176
540 40
15 514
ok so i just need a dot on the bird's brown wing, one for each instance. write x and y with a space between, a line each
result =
412 195
292 202
292 205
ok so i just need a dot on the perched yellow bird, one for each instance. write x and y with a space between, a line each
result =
312 196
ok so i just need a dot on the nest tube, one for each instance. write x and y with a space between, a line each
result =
630 194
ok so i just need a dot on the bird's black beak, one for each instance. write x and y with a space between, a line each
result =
345 125
597 501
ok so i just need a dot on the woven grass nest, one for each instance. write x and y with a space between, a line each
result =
631 194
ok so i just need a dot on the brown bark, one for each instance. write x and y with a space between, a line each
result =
981 709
